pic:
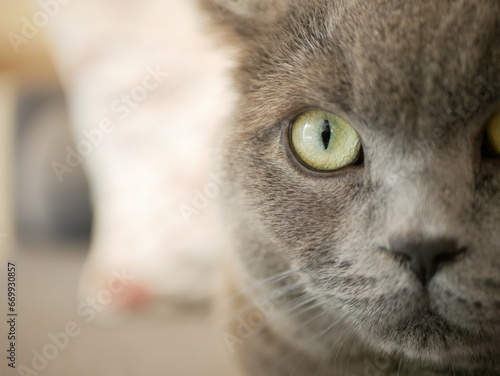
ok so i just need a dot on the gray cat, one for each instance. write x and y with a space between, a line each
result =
363 166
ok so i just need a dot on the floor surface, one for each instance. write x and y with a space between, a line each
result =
174 344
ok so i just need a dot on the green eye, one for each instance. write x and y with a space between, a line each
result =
324 141
493 133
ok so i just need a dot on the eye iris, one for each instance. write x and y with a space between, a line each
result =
324 141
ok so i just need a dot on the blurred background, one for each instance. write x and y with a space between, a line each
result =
108 110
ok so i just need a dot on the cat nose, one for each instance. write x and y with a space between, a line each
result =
425 257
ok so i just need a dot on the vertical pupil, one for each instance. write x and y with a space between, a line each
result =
326 134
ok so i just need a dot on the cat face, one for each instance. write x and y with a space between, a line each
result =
405 243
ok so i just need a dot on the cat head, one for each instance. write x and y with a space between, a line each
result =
399 231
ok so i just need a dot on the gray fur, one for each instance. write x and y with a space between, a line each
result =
418 80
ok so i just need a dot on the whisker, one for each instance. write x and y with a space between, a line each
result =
308 308
451 363
271 320
256 284
307 301
283 292
312 319
342 344
326 330
275 278
301 359
320 365
349 359
286 357
276 318
399 366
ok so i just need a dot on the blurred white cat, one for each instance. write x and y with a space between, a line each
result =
145 91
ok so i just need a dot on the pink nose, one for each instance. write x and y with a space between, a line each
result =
133 297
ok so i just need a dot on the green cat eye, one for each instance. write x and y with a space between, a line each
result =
493 133
324 142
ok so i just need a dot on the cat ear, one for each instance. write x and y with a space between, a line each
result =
245 17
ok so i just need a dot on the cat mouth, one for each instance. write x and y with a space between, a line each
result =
429 335
427 320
